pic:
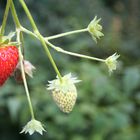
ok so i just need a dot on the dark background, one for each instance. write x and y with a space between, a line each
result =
108 107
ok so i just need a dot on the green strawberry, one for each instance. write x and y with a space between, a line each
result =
64 92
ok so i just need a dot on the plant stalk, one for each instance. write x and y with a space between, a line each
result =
5 18
20 41
36 31
66 34
74 54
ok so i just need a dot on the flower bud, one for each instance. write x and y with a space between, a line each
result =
95 29
111 62
33 126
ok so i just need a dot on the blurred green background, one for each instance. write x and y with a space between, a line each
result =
108 107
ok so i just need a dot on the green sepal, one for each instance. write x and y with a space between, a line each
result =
5 40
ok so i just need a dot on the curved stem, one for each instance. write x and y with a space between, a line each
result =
74 54
50 57
14 14
58 48
36 31
28 32
67 33
28 15
5 18
19 39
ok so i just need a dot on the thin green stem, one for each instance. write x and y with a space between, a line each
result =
65 34
45 47
28 32
40 37
28 15
5 18
19 39
58 48
14 14
74 54
50 57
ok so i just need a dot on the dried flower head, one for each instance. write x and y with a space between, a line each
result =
111 62
28 67
64 93
95 29
33 126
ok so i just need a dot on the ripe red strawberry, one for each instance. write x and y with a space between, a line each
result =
8 61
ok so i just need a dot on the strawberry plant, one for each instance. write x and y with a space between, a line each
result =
63 89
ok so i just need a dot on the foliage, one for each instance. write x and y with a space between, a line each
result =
107 106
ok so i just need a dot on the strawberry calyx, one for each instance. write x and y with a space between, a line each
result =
6 40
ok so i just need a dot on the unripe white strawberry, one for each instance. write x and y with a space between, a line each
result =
64 93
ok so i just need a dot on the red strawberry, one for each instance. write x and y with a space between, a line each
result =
8 61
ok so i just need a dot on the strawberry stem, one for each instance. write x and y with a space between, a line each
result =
74 54
20 41
14 14
29 15
65 34
2 30
40 37
60 49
